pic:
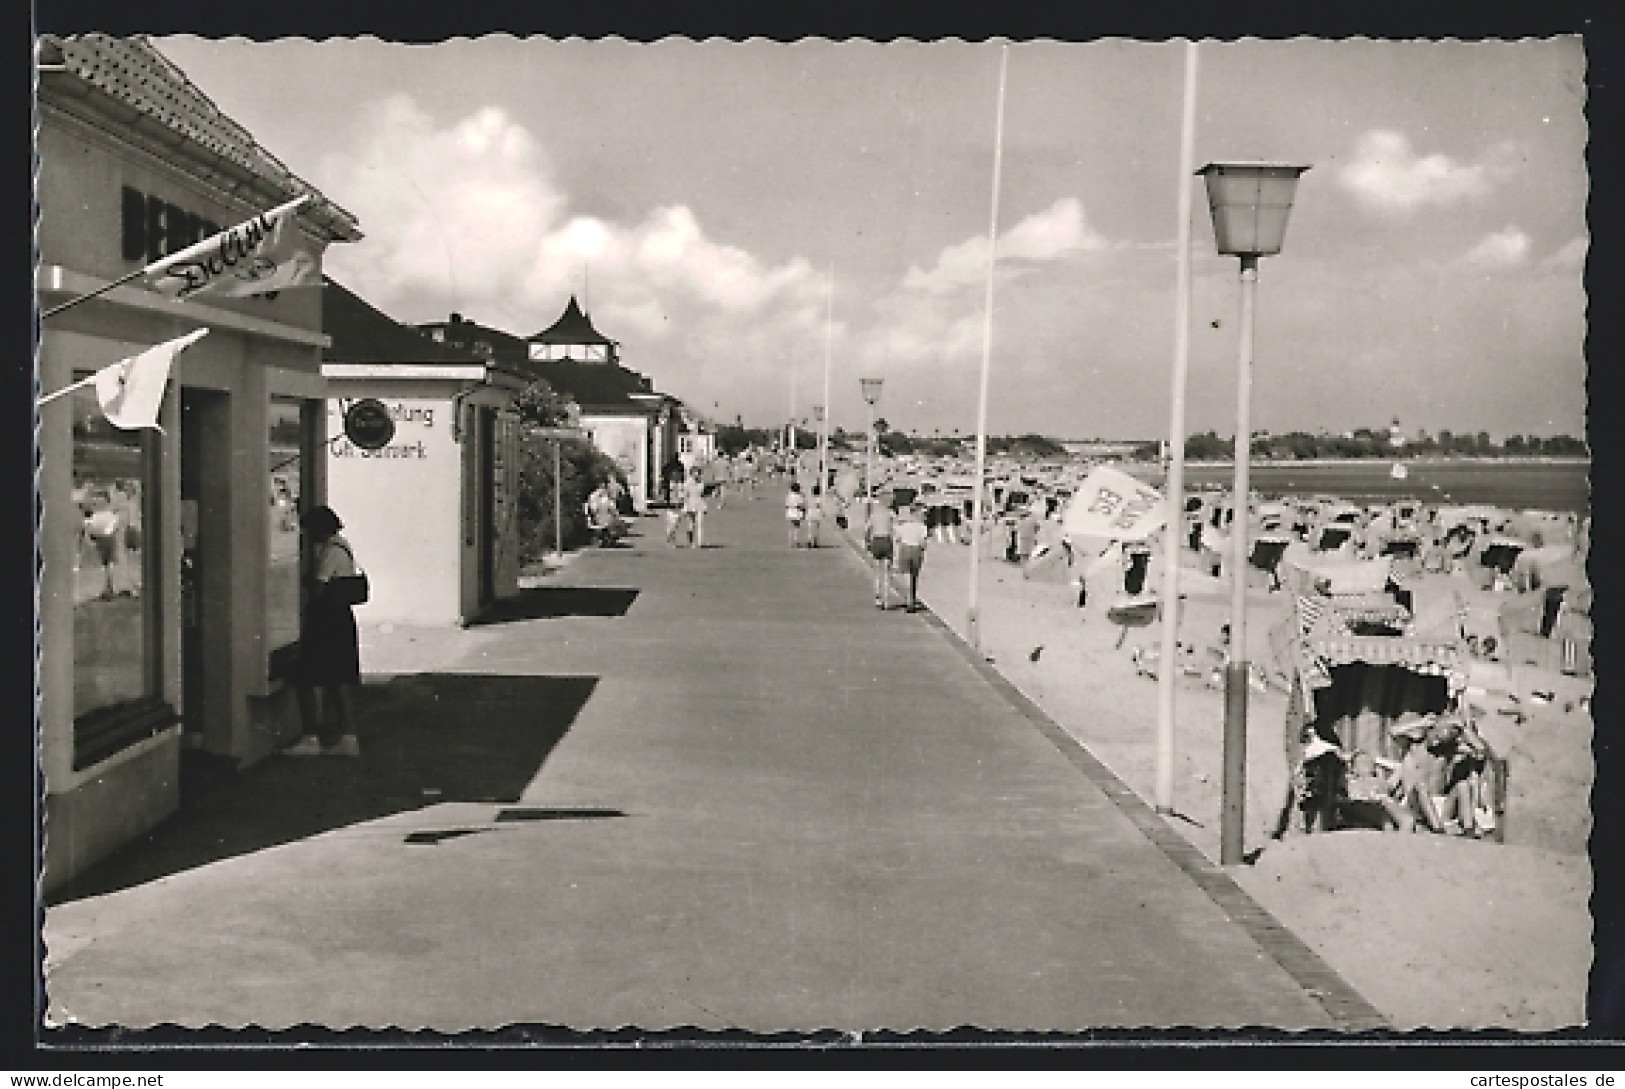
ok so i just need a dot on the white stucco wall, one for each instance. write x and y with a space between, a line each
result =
401 505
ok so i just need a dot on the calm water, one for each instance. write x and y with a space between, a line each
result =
1559 486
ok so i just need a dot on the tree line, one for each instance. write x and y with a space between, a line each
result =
1371 443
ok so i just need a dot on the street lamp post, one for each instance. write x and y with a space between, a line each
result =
823 438
871 394
1250 202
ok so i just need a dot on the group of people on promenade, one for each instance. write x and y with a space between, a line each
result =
895 533
805 513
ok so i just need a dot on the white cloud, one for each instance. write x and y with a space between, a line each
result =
467 215
1569 257
935 314
1386 174
1045 236
1503 249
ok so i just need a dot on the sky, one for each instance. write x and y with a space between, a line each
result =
740 215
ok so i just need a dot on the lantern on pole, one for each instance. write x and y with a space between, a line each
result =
1250 202
871 394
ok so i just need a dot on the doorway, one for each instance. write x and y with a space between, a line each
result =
205 525
485 531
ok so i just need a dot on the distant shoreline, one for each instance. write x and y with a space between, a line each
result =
1431 459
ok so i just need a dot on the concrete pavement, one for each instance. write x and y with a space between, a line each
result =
681 787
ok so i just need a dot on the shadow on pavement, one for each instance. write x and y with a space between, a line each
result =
425 738
556 602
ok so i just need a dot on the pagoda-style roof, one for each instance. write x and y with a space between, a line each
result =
573 327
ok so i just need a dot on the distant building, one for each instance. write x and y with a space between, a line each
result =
481 340
572 339
623 414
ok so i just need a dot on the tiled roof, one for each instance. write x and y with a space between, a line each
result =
573 327
131 71
604 387
595 386
361 333
469 335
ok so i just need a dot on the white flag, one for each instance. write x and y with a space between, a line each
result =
256 257
131 390
1114 506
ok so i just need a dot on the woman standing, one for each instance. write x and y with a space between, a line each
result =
795 512
694 507
329 645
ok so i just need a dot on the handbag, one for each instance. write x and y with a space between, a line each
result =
349 589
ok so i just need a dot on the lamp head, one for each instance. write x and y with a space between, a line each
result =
1250 203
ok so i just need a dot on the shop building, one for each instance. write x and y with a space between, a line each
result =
432 514
171 566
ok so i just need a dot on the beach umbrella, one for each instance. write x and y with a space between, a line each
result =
1132 612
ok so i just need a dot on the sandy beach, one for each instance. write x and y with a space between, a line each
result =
1435 931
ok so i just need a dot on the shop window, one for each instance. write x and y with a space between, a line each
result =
117 678
290 428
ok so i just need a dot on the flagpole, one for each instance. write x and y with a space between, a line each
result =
829 336
65 390
1174 486
197 249
972 610
104 289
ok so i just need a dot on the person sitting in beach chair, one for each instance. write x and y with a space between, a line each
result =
1439 777
603 519
1369 796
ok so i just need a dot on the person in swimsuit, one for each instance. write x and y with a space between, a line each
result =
877 534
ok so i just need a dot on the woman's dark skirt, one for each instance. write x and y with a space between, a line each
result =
329 646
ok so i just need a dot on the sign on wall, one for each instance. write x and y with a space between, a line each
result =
373 428
367 424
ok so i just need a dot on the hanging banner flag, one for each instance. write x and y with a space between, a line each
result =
1112 505
131 390
256 257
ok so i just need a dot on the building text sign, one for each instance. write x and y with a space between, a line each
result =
374 429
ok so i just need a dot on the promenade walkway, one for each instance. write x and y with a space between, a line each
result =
712 788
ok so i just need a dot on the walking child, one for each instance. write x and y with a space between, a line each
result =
815 516
795 512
